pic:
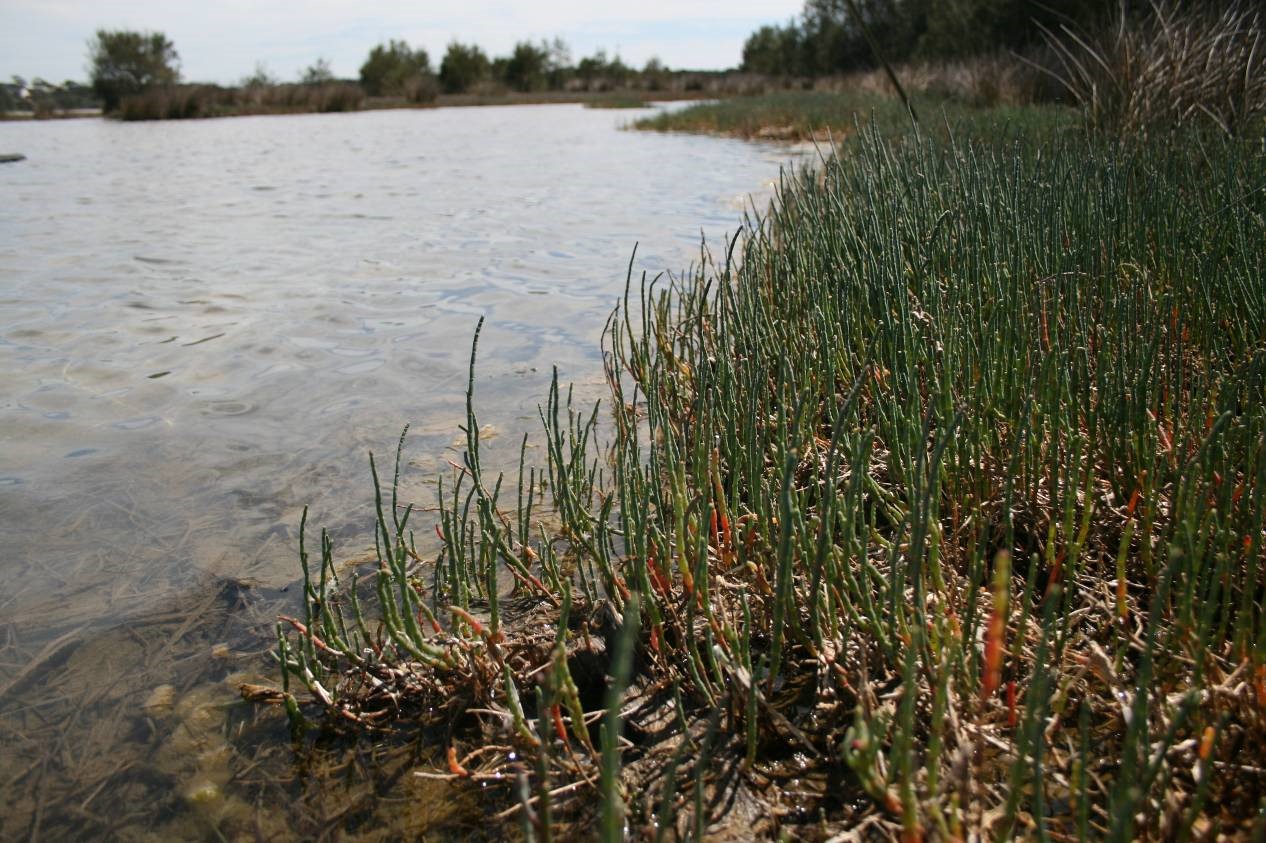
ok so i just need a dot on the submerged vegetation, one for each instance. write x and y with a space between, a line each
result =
935 507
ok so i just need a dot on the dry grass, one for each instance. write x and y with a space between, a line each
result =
176 102
1180 64
981 81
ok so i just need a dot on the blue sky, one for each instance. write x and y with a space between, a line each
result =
222 40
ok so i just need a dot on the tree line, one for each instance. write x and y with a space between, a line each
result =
42 97
126 64
393 68
839 36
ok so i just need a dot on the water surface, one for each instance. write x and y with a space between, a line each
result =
205 326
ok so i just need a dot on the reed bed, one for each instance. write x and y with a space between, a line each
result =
787 115
933 509
824 115
181 102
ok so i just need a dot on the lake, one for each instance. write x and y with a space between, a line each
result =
206 326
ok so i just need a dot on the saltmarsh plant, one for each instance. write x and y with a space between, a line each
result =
823 115
791 115
937 513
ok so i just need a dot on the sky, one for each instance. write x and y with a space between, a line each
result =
223 40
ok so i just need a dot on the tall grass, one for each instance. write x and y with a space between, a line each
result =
805 115
177 102
936 506
1179 63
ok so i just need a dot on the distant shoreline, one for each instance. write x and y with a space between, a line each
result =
70 114
592 99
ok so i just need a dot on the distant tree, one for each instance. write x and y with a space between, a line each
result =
601 73
834 40
618 72
558 69
41 96
393 68
463 67
654 74
122 63
259 78
775 51
590 68
528 67
317 73
831 36
966 27
497 69
71 95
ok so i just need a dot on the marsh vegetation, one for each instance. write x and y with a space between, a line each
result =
287 282
932 505
935 505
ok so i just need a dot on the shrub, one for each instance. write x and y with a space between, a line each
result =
464 65
525 69
393 67
178 102
318 73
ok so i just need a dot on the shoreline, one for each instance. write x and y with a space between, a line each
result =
603 99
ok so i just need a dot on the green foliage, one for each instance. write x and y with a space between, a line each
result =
536 67
654 74
775 51
603 74
804 115
259 78
394 69
317 73
558 65
124 62
829 38
528 67
463 67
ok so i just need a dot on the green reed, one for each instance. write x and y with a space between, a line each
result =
807 115
948 479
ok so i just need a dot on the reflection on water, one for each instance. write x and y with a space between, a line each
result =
205 326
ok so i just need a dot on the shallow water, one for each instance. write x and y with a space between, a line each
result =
205 326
